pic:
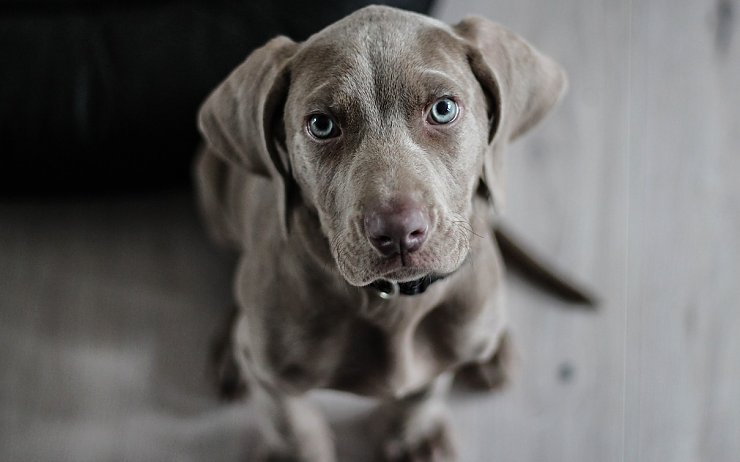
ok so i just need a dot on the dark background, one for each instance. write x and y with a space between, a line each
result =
101 96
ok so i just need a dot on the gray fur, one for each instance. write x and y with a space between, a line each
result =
293 208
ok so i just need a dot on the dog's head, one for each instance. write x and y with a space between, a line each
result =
384 124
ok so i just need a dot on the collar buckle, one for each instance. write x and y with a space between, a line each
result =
387 290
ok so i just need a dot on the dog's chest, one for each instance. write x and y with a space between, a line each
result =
393 357
379 348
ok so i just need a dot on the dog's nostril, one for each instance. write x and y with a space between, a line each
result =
384 240
413 241
400 229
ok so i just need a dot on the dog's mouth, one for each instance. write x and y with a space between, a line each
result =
403 268
361 265
411 269
390 286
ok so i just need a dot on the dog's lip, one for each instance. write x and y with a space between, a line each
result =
404 274
393 269
400 273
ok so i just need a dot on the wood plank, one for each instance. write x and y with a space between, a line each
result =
684 237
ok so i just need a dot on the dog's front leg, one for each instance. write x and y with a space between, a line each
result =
291 428
416 427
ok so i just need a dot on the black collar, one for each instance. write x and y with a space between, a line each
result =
387 289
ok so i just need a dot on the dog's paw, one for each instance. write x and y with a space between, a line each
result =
294 455
279 457
432 445
495 374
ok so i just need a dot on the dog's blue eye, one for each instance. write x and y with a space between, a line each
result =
443 111
322 126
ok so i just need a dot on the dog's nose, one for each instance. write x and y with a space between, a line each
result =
397 229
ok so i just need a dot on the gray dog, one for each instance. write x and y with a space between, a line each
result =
357 173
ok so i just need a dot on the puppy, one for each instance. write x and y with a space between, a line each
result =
357 174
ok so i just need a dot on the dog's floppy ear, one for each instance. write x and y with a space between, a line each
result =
241 120
521 84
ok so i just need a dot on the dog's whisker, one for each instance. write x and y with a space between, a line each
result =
465 224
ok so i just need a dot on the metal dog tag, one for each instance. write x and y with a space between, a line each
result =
389 290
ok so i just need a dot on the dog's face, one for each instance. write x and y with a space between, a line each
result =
385 123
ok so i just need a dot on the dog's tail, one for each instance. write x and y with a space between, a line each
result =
534 267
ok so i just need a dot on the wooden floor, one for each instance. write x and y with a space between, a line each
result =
633 183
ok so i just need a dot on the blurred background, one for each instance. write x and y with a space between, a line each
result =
110 291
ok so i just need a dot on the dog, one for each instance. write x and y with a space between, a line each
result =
357 175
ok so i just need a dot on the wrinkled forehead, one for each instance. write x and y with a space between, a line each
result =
378 62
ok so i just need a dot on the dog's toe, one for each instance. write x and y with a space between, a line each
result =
493 374
309 451
487 376
275 457
434 446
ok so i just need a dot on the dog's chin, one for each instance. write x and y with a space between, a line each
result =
395 269
405 274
